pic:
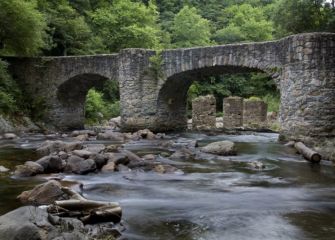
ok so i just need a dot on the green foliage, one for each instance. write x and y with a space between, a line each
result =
254 98
9 91
69 32
156 62
190 29
111 91
127 24
298 16
242 23
22 28
273 102
98 109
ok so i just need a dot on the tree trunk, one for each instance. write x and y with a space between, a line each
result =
308 153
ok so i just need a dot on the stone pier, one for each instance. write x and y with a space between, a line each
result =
254 113
232 112
204 113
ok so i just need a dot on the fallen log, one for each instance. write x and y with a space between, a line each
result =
88 211
308 153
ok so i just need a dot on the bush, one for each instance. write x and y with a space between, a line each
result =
273 102
254 98
98 109
9 91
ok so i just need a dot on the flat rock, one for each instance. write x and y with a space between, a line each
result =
224 148
112 136
83 153
95 148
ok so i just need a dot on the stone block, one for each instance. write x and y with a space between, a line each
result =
254 113
232 112
204 113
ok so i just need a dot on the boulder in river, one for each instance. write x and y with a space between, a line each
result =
224 148
36 223
3 169
80 165
42 194
109 167
48 147
257 165
28 169
83 153
51 163
10 136
183 154
165 168
112 136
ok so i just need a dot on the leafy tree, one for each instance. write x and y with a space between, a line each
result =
127 24
190 29
291 17
70 34
22 28
243 23
98 109
9 91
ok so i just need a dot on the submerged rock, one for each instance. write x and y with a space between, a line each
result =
224 148
164 168
257 165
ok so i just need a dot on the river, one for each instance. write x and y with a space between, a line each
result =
212 199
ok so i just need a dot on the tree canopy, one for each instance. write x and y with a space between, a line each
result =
22 28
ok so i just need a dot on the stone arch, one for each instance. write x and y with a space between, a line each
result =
172 95
71 96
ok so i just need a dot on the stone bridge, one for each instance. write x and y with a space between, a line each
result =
153 94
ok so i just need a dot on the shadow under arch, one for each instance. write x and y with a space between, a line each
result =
71 95
172 96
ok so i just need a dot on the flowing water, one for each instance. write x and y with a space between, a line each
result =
213 199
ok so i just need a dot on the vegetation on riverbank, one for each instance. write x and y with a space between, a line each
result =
73 27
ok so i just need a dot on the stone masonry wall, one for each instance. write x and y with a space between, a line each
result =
233 112
254 113
204 113
302 66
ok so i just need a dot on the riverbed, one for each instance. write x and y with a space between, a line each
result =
209 199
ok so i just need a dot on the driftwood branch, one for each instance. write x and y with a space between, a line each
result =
308 153
88 211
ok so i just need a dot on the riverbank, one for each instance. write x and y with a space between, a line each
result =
17 125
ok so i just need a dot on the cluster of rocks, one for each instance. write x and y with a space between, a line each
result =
79 158
59 213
